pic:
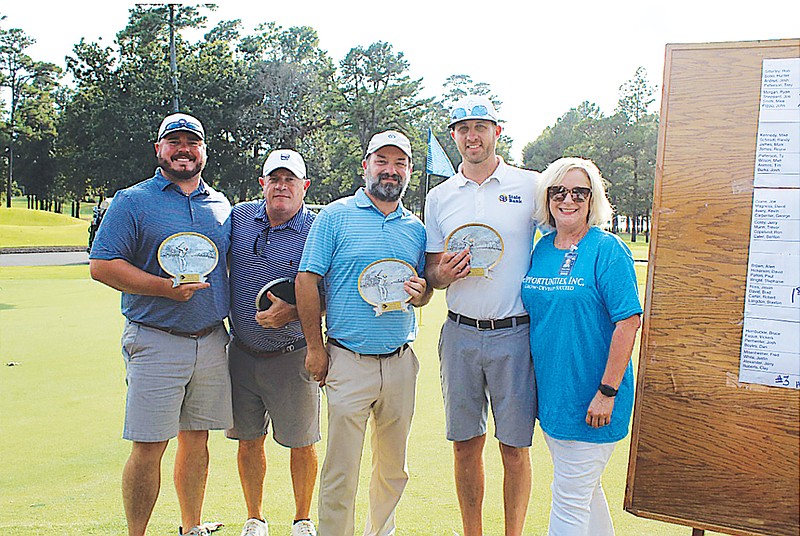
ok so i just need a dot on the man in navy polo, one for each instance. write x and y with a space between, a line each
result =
267 355
368 367
174 340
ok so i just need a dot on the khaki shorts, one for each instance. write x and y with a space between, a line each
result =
174 383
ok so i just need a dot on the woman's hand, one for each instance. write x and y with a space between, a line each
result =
599 412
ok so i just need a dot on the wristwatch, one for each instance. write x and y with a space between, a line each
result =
607 390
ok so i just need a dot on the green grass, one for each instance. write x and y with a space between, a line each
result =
61 414
22 227
640 248
86 207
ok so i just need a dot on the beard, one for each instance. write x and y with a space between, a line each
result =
182 174
386 191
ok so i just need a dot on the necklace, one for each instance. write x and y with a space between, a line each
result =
570 242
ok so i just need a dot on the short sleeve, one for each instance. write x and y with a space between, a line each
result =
434 242
320 244
616 281
117 235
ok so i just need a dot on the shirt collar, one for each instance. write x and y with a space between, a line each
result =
363 201
295 222
164 183
499 174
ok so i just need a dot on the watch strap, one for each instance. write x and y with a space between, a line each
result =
607 390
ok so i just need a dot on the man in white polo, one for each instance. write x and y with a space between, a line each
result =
484 347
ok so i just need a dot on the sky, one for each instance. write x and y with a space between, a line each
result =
540 58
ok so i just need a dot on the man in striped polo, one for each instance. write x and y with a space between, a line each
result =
267 353
368 367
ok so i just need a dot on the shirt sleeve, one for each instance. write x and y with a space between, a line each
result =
616 280
117 235
320 245
434 237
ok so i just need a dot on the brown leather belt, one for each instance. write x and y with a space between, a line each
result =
378 356
196 335
296 345
482 325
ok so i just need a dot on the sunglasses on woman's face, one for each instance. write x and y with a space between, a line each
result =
559 193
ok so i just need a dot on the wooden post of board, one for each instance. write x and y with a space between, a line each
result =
707 451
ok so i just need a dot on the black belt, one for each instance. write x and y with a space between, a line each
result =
196 335
379 356
489 324
296 345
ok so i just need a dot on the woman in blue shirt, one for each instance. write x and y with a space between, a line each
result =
581 294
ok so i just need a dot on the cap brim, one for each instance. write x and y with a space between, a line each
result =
475 118
181 129
295 171
376 149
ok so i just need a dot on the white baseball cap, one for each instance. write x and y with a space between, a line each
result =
389 137
472 107
285 158
184 122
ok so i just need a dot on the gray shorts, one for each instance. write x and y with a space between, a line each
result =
274 389
482 366
174 383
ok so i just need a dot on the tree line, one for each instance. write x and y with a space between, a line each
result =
86 131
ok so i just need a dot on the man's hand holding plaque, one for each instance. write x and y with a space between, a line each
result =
188 257
383 285
483 244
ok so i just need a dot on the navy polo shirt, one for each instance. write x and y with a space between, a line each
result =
136 224
259 254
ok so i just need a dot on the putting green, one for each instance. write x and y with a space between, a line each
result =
61 414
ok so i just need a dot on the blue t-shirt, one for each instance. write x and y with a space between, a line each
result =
136 224
259 254
574 300
347 236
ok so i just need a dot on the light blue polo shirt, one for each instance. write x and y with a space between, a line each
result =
136 224
347 236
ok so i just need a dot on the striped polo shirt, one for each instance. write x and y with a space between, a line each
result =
259 254
347 236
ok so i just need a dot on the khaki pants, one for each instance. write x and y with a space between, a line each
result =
358 387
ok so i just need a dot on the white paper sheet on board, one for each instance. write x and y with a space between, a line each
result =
770 352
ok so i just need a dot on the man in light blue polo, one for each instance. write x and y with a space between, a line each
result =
368 367
267 355
174 340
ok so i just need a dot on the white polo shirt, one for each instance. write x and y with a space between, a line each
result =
505 201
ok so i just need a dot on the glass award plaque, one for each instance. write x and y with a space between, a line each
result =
283 288
484 244
381 285
187 257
